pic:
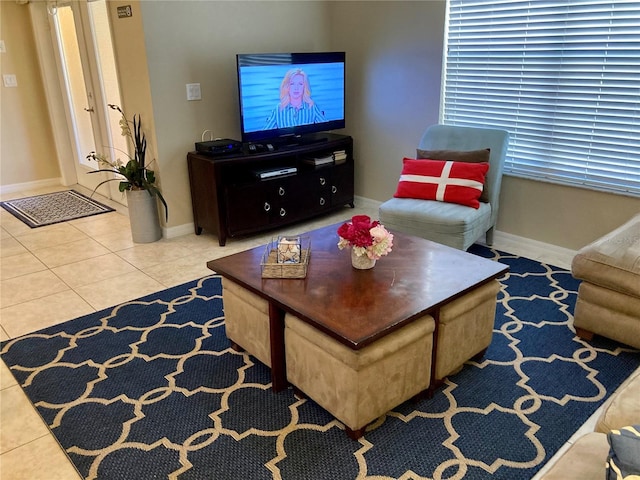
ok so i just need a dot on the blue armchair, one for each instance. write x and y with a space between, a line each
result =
451 224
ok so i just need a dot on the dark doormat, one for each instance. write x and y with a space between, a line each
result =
50 208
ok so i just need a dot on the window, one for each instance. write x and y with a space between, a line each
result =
562 76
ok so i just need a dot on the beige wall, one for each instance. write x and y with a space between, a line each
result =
559 215
133 73
394 55
196 42
26 139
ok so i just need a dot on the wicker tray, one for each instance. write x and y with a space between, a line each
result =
272 269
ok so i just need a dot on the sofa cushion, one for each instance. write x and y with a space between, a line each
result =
624 453
442 180
470 156
447 223
612 261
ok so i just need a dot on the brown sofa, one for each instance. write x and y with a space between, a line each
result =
586 458
609 295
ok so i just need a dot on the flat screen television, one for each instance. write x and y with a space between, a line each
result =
285 96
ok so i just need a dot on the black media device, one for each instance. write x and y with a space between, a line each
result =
219 147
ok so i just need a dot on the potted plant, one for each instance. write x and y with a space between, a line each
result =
136 180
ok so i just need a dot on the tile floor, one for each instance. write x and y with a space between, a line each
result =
56 273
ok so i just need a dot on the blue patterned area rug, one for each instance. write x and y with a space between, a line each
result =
152 389
50 208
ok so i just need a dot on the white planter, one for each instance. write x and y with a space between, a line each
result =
143 216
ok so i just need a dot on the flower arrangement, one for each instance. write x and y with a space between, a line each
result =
366 237
135 172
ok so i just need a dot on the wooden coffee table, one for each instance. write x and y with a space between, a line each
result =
357 307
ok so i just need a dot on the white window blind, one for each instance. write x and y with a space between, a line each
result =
562 76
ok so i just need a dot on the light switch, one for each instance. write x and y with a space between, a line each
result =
193 91
2 47
10 80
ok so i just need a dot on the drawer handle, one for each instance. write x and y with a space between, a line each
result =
322 201
322 181
267 207
281 191
283 212
334 189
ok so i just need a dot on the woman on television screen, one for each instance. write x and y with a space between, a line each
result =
296 106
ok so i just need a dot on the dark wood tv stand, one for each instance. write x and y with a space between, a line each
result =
230 199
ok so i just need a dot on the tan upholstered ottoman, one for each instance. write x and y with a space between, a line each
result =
247 320
465 328
358 386
609 295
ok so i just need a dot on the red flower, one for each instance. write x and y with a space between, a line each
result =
357 231
365 237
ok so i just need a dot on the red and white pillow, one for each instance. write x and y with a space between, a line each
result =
442 180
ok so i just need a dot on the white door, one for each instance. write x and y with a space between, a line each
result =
89 82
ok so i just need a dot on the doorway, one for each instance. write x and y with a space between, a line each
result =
89 82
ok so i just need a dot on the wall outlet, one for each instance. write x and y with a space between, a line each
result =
125 11
10 80
193 91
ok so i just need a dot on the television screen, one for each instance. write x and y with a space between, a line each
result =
290 94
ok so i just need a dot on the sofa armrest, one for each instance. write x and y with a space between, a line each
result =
623 407
584 460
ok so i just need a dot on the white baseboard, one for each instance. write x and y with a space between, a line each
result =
178 231
504 237
526 247
366 202
21 187
508 242
361 202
